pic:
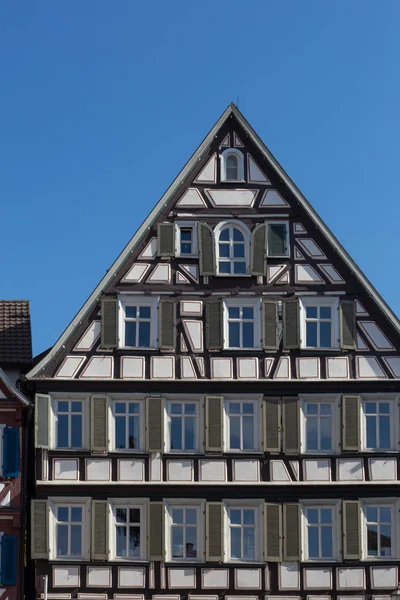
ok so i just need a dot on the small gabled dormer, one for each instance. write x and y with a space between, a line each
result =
232 166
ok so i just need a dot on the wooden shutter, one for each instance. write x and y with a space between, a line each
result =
214 423
291 424
351 530
291 531
42 424
155 424
100 530
166 239
156 530
214 531
39 529
269 317
109 322
11 452
214 325
258 262
351 423
272 532
272 423
167 324
206 250
99 423
347 324
290 324
9 546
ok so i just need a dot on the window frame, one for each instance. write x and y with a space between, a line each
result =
257 401
258 506
54 503
320 301
113 504
393 400
280 222
199 423
142 425
394 505
337 552
245 231
242 302
200 506
60 397
334 400
223 160
128 300
179 225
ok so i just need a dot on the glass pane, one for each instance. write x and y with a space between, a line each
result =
231 161
372 514
224 250
326 409
312 433
130 312
248 542
235 516
248 433
76 406
144 312
384 408
238 250
326 542
186 248
370 407
231 173
62 431
120 432
325 333
224 235
177 515
144 334
76 540
62 514
224 267
386 540
311 312
76 514
326 515
248 312
312 409
62 540
236 551
176 433
191 516
234 312
176 409
177 542
121 541
234 438
371 432
239 267
133 408
76 431
186 235
248 517
312 515
133 432
120 515
120 407
191 542
234 335
276 240
190 409
237 235
313 542
134 541
234 408
385 515
372 540
248 335
384 432
190 433
63 407
248 408
326 440
311 334
134 515
325 312
130 333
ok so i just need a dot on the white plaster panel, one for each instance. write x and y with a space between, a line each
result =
91 596
360 310
191 197
283 368
384 577
352 597
299 228
98 576
297 254
98 469
268 362
255 175
232 197
130 577
273 271
289 576
368 367
350 469
337 367
130 596
180 470
180 278
191 270
162 367
70 366
331 273
182 578
247 368
212 470
214 578
183 344
279 471
284 278
351 578
221 368
136 272
132 367
194 331
6 501
311 248
360 343
383 469
312 597
246 470
308 368
317 470
318 579
393 362
191 308
295 466
226 142
273 198
202 597
375 335
209 173
200 365
307 274
90 336
98 367
65 576
373 597
66 469
236 141
248 579
187 368
161 274
150 250
155 467
130 469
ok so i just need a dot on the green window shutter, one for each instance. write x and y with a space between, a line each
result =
166 239
272 423
99 423
351 530
155 424
290 324
109 322
291 424
42 421
214 532
100 530
272 532
291 532
167 324
351 423
214 325
206 250
156 526
258 262
347 324
39 529
269 315
214 420
277 239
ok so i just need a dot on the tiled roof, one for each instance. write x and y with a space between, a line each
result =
15 332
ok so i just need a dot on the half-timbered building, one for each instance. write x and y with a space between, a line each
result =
221 417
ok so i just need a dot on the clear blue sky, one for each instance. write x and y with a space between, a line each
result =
103 101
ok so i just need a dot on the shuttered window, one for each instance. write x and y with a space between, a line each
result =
166 239
155 424
278 239
319 322
9 558
350 423
206 250
139 322
351 530
290 324
42 421
167 335
258 262
156 542
269 325
109 323
214 325
272 532
291 531
11 452
272 423
100 544
291 428
214 532
99 423
39 529
214 423
347 325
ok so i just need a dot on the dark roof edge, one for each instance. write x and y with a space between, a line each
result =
13 389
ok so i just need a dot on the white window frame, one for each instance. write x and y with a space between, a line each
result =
152 302
185 503
179 225
333 303
142 429
258 506
335 505
199 445
393 401
60 397
243 302
247 237
286 223
257 401
223 156
336 423
115 503
394 504
85 503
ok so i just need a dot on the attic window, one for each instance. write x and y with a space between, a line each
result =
232 168
232 165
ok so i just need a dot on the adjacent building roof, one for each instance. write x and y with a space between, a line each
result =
15 333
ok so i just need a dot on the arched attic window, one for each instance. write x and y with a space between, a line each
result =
232 165
232 240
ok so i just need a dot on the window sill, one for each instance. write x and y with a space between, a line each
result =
233 275
138 348
121 559
127 451
335 349
255 349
